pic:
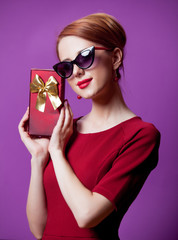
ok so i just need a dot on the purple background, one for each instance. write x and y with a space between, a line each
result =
28 32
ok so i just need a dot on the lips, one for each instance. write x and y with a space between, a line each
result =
84 83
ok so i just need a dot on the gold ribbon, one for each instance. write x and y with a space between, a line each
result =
50 88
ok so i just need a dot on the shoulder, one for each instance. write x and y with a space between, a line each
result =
141 143
137 129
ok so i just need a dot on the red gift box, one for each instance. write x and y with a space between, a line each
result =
46 99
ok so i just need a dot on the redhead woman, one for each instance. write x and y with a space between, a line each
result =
85 177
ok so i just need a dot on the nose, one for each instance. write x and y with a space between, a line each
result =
77 71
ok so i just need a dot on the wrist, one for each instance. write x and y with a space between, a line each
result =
57 154
38 163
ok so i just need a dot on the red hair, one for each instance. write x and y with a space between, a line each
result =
100 28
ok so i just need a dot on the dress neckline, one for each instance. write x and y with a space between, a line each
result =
106 130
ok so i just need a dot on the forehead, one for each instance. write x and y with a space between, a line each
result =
70 46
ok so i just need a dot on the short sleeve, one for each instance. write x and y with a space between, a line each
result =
130 168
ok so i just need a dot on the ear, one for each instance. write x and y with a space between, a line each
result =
117 58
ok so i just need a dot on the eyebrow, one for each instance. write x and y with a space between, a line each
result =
66 60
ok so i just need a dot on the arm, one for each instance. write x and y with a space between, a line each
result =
88 208
36 203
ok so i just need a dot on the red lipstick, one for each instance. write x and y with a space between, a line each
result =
84 83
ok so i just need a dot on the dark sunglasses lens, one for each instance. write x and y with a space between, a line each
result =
64 69
85 59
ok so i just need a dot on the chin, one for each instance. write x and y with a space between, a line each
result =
88 95
100 93
93 93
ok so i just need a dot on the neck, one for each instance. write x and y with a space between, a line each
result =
109 107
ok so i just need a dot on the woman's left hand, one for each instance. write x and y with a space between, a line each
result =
62 131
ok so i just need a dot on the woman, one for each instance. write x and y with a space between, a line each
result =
86 176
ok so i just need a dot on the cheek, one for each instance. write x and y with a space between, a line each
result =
102 77
104 69
100 62
96 63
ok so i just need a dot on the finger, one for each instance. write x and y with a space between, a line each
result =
71 113
25 117
23 121
70 110
60 121
68 117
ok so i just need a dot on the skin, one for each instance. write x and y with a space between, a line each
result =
108 109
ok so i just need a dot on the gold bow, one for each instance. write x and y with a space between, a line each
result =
50 88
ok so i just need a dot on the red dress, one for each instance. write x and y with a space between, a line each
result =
114 163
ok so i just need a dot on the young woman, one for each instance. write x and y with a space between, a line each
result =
85 177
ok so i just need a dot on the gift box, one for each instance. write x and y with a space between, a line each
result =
47 90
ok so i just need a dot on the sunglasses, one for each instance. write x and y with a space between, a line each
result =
83 60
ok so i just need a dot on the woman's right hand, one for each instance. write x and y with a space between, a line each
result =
38 147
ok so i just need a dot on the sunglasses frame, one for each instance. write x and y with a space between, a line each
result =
92 49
